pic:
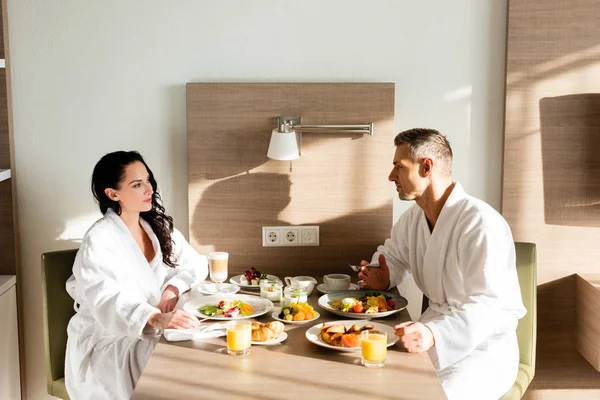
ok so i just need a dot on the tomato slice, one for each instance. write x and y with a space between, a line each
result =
358 308
350 340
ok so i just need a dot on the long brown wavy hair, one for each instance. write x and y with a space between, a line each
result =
109 172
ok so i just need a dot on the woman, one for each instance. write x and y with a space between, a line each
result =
128 274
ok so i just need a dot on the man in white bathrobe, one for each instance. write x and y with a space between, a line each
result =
461 254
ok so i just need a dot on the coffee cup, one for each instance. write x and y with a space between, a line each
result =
337 281
307 282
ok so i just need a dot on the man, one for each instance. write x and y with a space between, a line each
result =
461 254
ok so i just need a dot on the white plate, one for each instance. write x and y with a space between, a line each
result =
313 334
323 289
277 311
214 288
236 280
282 336
261 306
326 299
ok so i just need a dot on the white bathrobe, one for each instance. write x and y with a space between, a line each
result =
115 291
466 267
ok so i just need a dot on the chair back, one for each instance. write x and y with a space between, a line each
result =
58 309
527 328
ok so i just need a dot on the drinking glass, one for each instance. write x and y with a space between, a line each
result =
239 337
217 264
270 289
373 345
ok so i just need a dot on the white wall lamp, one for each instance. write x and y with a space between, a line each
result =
286 140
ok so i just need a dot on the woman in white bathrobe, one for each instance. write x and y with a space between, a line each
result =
128 274
461 254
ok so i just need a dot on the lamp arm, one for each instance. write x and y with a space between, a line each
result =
366 128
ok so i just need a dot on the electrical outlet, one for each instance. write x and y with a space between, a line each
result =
289 236
271 236
309 235
274 236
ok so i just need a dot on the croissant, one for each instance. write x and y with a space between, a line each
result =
264 332
276 327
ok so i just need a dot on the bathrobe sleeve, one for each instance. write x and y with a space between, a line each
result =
191 269
395 250
487 258
103 289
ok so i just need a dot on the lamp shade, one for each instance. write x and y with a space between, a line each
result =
283 146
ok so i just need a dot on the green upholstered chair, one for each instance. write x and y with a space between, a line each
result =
58 310
527 329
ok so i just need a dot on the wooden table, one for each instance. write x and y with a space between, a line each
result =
294 369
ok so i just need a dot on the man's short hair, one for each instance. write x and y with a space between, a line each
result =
428 143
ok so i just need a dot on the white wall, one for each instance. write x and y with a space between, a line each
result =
93 77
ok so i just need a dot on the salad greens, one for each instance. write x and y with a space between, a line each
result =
227 309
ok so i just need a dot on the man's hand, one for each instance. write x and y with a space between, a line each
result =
415 336
168 300
177 319
375 278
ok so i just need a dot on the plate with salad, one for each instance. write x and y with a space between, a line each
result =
228 306
363 304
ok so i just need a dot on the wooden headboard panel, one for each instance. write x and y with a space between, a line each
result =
339 182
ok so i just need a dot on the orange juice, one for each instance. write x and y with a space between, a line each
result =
239 336
374 348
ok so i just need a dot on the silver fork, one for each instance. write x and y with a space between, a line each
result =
356 268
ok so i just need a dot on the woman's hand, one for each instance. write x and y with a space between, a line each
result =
168 300
177 319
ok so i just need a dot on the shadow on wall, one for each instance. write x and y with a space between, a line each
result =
233 211
233 150
570 134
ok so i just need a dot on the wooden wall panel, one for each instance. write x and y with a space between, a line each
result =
4 133
587 325
550 160
570 134
339 182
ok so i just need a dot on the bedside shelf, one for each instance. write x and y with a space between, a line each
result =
4 174
6 282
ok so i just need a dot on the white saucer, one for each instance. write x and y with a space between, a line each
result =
214 288
282 336
323 289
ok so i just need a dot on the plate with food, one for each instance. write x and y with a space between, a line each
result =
363 304
228 306
268 334
251 279
345 335
296 314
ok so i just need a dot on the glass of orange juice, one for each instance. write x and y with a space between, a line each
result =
373 345
239 337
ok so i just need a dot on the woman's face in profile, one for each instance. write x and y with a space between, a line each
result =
135 191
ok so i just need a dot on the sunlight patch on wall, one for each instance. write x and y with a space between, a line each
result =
76 228
458 94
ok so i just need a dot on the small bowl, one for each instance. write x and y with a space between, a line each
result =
305 281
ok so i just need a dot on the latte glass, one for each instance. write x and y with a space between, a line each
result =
217 264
